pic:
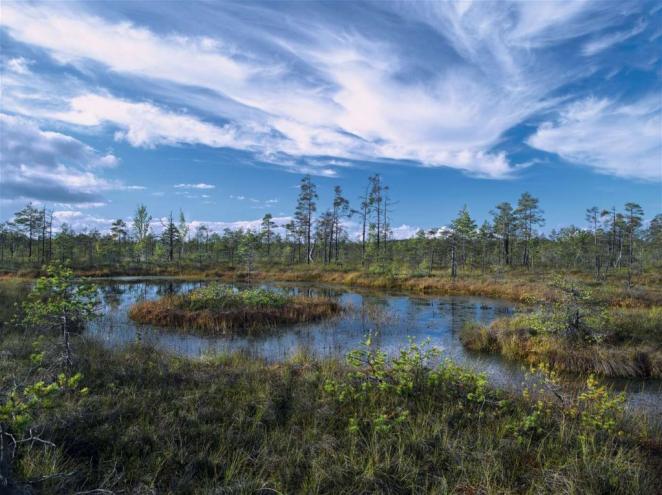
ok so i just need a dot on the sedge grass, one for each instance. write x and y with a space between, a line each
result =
153 423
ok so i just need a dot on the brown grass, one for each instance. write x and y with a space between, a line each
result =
516 342
521 286
165 313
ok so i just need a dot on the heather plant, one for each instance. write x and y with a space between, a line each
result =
27 395
596 410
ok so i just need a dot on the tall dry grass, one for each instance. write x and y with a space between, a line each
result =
516 339
167 312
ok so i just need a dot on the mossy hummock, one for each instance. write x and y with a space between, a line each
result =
219 309
626 346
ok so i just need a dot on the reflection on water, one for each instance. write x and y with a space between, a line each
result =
394 317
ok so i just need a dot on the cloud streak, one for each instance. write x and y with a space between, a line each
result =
613 138
200 185
329 89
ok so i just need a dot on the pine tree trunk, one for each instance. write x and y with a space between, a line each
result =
453 260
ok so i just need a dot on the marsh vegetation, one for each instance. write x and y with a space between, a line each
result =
218 309
140 421
77 416
578 333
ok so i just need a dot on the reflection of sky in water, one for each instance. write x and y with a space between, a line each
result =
394 318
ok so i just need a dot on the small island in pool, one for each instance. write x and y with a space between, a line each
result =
219 309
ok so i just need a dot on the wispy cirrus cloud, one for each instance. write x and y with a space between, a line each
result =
332 86
611 137
601 43
145 124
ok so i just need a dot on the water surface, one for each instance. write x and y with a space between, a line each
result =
392 318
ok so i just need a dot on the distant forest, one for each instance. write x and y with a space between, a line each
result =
612 239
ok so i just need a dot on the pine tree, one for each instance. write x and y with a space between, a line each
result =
170 236
141 223
484 234
634 216
27 221
504 227
592 217
340 210
305 209
183 230
119 233
527 216
267 227
366 208
464 229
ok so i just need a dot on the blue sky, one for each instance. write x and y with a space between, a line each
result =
219 108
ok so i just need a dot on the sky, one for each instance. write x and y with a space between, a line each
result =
219 108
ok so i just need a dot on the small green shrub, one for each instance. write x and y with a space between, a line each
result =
221 297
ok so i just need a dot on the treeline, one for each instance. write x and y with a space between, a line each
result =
612 239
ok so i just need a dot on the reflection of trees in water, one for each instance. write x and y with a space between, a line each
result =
165 289
111 294
389 316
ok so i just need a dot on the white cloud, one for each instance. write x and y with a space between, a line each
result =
122 46
200 185
361 111
50 166
404 231
144 124
602 43
220 226
19 65
257 203
614 138
80 221
323 90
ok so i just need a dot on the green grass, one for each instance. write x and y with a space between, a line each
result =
220 297
153 423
